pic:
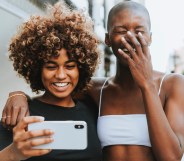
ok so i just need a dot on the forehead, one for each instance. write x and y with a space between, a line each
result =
128 17
62 55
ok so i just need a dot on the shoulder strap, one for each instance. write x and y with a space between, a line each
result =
161 82
101 91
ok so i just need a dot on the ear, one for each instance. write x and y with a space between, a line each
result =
107 41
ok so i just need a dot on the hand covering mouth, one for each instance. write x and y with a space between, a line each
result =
127 51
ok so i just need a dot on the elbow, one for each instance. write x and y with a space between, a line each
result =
173 157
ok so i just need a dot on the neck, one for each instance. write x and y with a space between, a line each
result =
123 76
64 102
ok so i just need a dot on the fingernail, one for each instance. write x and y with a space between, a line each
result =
129 33
123 39
51 131
140 34
119 50
41 118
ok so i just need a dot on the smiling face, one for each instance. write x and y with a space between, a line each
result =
127 19
60 76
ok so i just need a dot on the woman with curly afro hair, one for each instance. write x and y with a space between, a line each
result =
56 54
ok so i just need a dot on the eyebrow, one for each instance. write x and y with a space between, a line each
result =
115 27
140 27
53 62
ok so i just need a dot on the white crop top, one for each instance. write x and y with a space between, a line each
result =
131 129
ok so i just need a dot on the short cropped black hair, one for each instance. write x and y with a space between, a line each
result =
127 5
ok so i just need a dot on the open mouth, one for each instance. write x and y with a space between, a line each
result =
127 51
59 84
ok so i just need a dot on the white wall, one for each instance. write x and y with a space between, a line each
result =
11 17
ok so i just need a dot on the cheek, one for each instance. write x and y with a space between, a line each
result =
77 76
74 76
147 39
116 40
46 76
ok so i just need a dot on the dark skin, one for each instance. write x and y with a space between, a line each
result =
136 80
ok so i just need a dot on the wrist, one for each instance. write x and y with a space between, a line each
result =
10 154
18 93
149 86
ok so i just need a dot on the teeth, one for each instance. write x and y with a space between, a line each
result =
126 50
60 84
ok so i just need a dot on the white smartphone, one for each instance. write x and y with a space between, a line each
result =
67 134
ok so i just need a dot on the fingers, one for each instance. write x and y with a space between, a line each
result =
136 44
31 139
27 120
15 112
131 51
3 118
24 141
127 57
137 47
22 113
37 141
36 152
6 116
15 109
35 133
27 113
19 152
144 44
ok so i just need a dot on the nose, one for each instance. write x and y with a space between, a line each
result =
133 33
61 73
128 39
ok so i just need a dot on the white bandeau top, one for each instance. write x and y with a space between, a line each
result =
129 129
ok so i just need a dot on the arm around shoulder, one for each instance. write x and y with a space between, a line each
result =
15 109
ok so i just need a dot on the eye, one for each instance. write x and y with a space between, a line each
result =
71 66
50 67
141 31
122 32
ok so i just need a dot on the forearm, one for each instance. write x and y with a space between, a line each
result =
165 143
7 154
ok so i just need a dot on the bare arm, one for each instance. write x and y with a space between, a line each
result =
166 123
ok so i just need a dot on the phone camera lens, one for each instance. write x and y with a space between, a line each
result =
79 126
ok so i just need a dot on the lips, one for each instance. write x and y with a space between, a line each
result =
60 86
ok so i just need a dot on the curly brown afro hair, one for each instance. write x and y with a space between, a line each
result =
41 37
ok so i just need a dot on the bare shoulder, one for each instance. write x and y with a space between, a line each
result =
98 81
174 83
96 85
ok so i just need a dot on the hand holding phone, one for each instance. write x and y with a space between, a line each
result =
67 134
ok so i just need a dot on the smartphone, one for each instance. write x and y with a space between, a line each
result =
67 134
